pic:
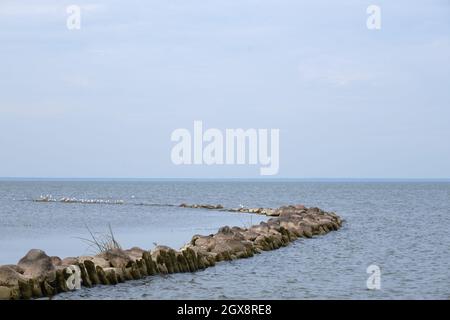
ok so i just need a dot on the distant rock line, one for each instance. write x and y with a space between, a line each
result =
38 275
263 211
49 198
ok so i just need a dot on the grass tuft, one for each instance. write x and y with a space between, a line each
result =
103 242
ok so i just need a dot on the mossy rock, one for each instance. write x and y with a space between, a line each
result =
61 284
85 280
151 266
111 275
142 267
26 289
47 289
135 272
92 272
102 275
9 293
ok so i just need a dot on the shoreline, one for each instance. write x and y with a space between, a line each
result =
37 275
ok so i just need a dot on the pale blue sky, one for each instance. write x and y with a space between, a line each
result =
103 101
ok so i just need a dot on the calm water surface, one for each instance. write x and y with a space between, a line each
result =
403 227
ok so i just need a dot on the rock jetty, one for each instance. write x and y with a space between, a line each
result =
49 198
262 211
38 275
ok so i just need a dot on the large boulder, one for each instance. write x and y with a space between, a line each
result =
204 243
262 228
69 261
15 268
226 230
164 257
229 246
97 260
314 211
10 277
56 261
117 258
135 253
227 233
9 293
271 212
36 263
250 235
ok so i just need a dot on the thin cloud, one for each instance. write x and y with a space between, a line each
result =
332 71
31 9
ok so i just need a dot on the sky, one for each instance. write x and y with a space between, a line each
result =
102 101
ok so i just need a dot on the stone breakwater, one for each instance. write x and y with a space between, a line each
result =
263 211
38 275
49 198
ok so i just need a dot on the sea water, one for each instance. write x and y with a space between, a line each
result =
403 227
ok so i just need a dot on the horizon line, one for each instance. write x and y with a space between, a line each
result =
220 178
